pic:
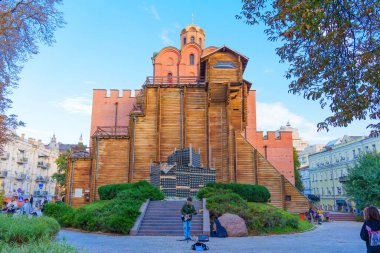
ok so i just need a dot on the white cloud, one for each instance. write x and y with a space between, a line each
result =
88 82
152 9
165 37
271 117
268 71
75 105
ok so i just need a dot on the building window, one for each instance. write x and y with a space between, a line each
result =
192 59
170 77
367 150
359 150
192 39
354 154
224 65
374 147
184 41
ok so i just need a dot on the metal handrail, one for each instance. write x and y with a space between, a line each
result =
174 80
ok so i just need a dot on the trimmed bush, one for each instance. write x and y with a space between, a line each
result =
229 202
249 192
111 191
25 229
63 213
116 212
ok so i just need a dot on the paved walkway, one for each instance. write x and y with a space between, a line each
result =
333 237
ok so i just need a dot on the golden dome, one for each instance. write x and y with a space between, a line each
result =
193 28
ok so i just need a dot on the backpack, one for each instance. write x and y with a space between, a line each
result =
198 246
374 236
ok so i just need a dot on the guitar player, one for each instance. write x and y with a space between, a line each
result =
187 212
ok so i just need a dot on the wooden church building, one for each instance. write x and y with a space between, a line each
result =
197 97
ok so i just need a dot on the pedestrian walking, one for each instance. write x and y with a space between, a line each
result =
31 200
370 232
44 202
187 211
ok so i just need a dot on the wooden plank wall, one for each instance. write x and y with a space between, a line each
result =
196 121
169 121
111 164
246 163
78 177
146 142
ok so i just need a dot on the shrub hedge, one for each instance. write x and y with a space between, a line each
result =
24 229
111 191
249 192
116 212
46 246
259 217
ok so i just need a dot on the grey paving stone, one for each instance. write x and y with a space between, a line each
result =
333 237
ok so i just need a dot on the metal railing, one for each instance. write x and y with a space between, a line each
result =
3 173
111 130
174 80
22 159
43 165
40 179
343 179
20 176
4 156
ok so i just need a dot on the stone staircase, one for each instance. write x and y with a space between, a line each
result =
335 216
164 218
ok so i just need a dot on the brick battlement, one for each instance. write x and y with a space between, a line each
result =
115 93
271 135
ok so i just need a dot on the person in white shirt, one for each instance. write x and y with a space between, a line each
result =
12 205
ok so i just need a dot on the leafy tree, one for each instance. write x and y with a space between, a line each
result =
23 24
60 175
363 183
333 50
297 175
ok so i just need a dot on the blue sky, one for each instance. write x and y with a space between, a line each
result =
109 44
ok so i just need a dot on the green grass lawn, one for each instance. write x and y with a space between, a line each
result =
302 227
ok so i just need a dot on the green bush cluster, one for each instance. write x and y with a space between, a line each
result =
259 217
249 192
24 229
116 212
46 246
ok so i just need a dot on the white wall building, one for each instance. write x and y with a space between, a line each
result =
303 156
329 168
27 165
298 142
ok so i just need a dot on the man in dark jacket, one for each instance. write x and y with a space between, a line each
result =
187 211
372 222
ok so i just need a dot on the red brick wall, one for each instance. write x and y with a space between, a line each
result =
278 151
104 109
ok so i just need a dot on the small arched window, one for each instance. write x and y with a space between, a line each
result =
184 41
192 39
170 77
192 59
200 41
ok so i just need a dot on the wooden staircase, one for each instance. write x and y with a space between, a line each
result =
164 218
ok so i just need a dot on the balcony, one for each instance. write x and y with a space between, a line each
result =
4 156
40 179
43 165
343 179
22 160
174 80
3 173
20 176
